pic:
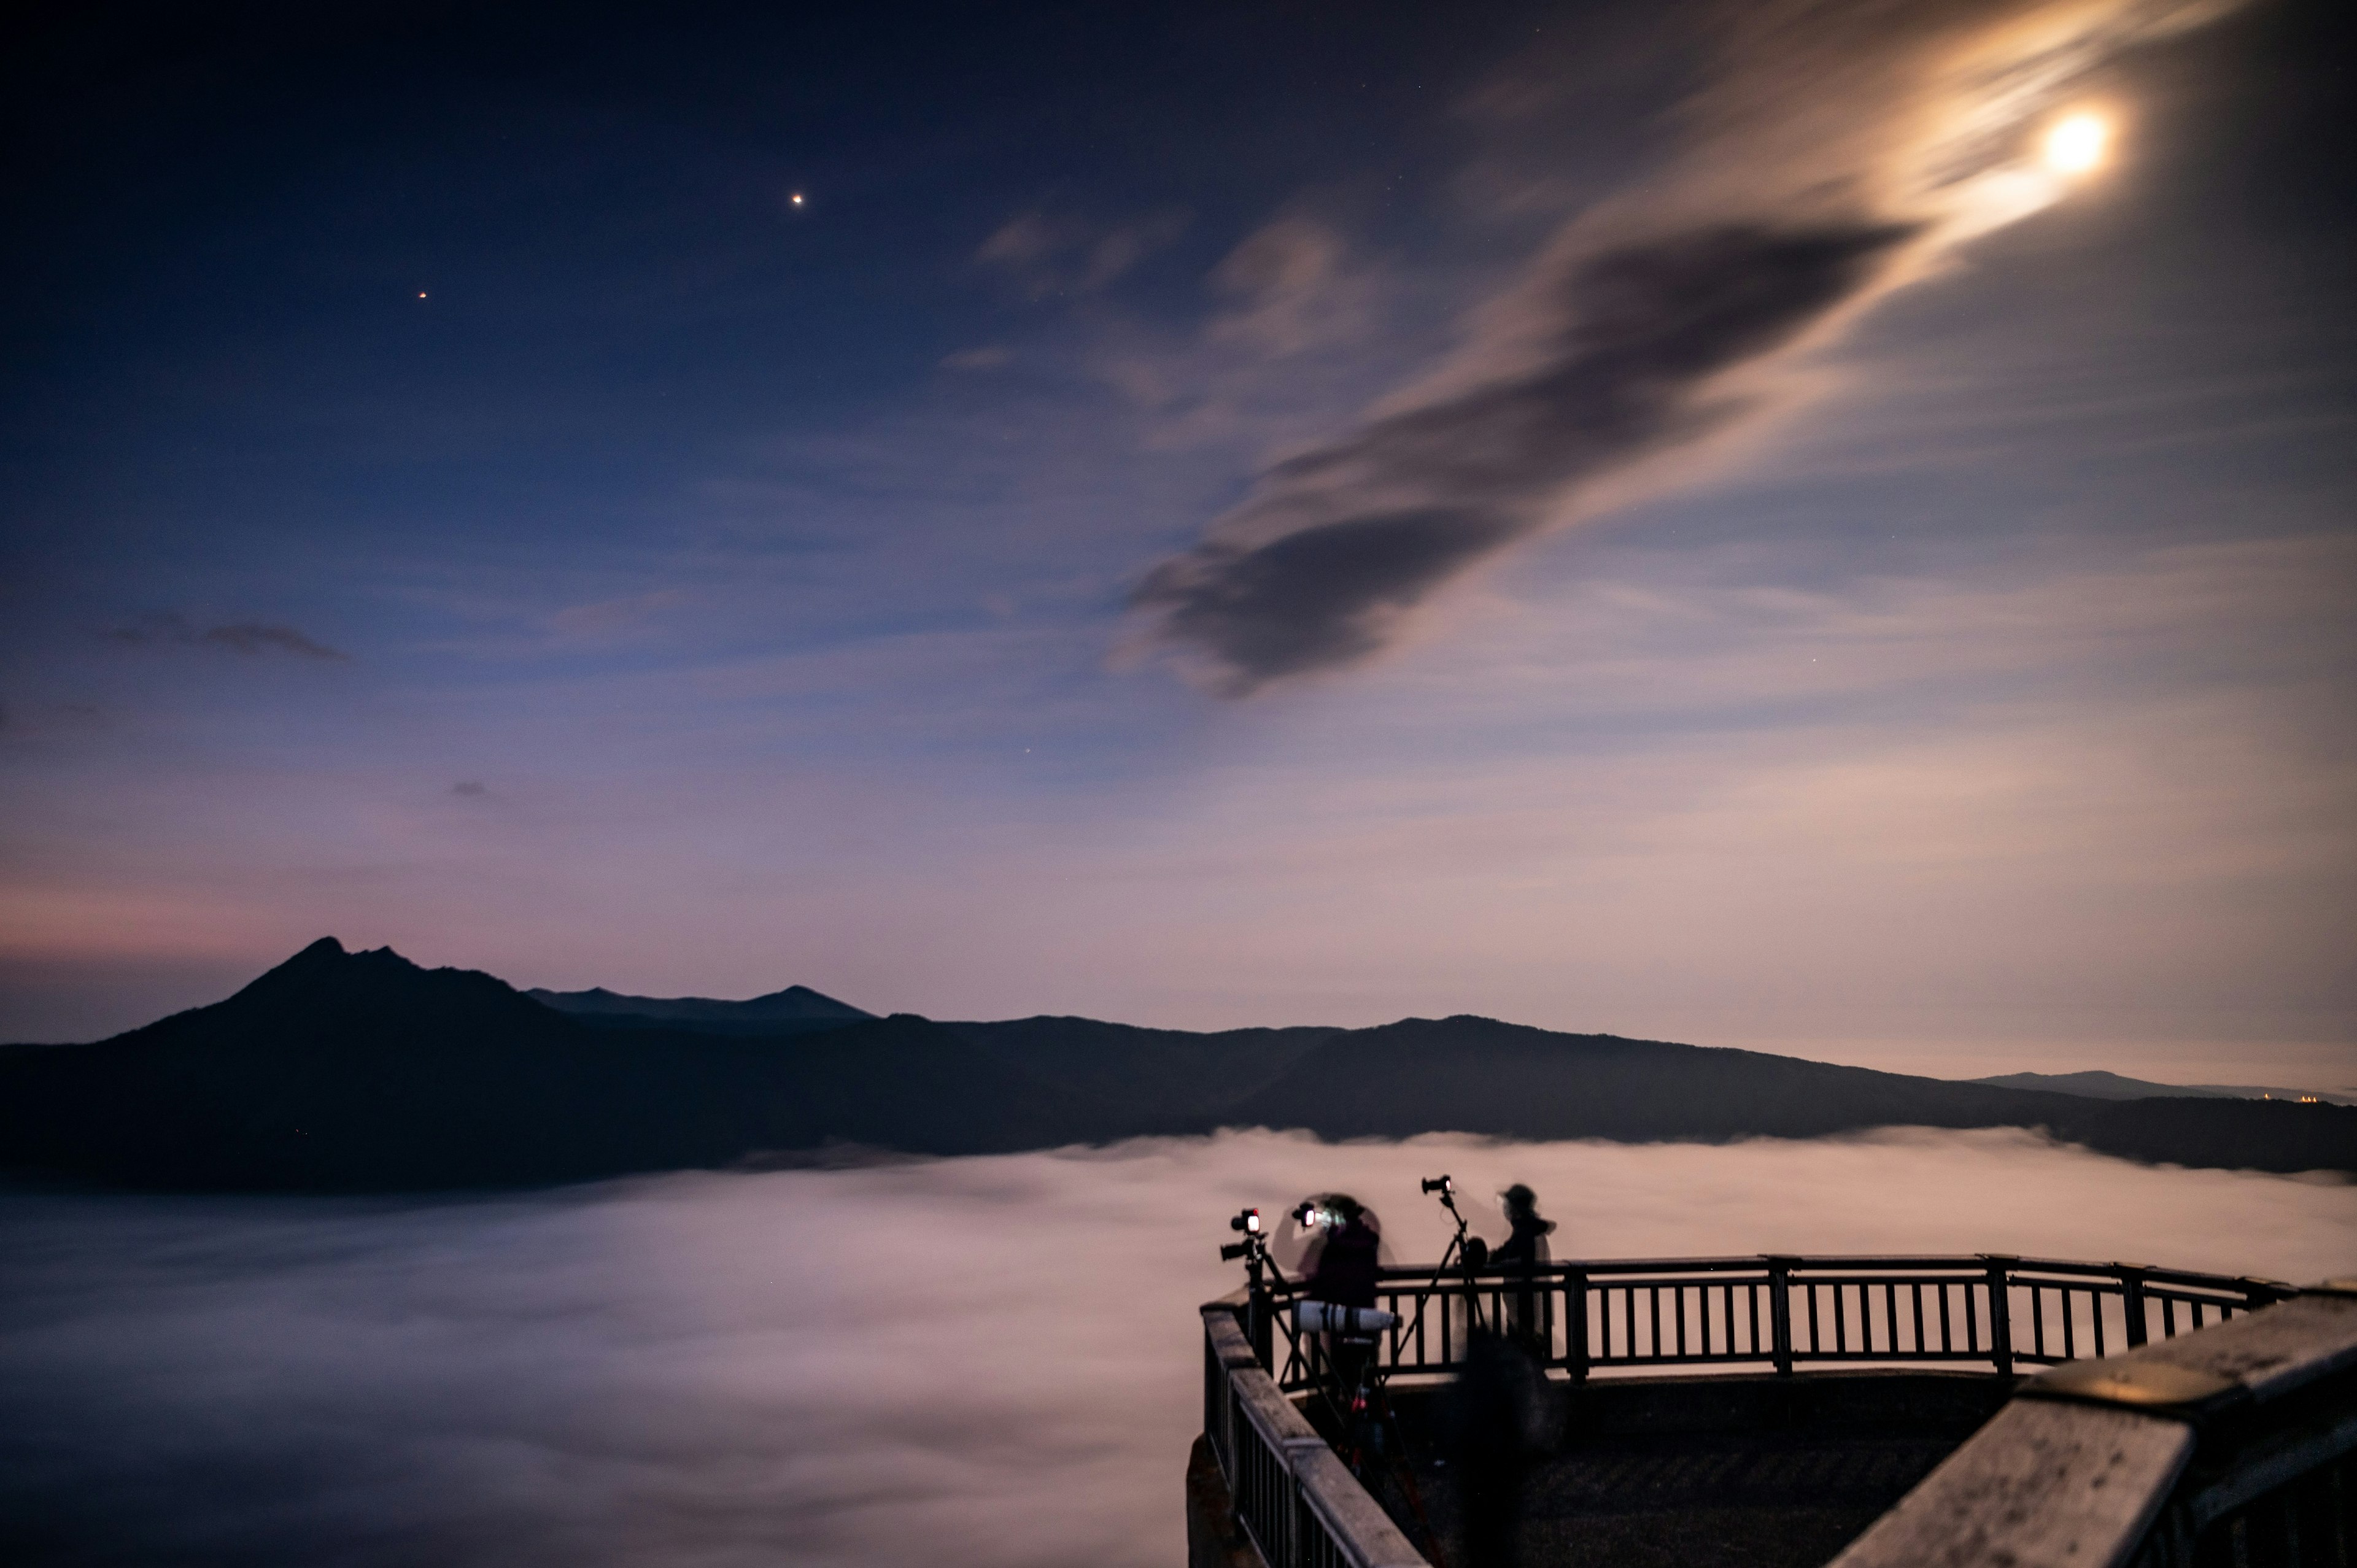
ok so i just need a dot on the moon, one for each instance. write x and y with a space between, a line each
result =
2077 143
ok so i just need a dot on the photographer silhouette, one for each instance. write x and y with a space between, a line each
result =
1521 1253
1348 1251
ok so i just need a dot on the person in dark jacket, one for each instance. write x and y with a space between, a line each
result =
1522 1252
1344 1272
1348 1255
1491 1422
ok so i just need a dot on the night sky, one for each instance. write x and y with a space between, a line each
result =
1831 526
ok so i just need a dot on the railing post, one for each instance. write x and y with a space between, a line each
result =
2000 1290
1215 1391
1779 1312
2131 1298
1575 1331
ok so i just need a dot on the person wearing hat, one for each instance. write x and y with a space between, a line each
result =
1522 1252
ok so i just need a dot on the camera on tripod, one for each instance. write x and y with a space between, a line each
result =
1247 1222
1439 1184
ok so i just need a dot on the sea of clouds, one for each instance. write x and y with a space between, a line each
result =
980 1361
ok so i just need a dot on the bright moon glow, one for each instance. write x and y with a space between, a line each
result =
2076 145
797 200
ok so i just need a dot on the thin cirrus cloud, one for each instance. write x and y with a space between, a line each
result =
1046 253
249 637
988 357
1624 341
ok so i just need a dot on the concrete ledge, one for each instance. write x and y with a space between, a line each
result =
2044 1484
2075 1473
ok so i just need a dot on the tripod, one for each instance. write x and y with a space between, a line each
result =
1468 1253
1259 1313
1361 1411
1350 1380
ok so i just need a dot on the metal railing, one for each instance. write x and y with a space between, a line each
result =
1778 1312
1300 1505
2229 1449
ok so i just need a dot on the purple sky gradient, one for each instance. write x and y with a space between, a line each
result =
696 594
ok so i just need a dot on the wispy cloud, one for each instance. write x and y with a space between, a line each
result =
988 357
1285 288
1642 326
169 629
1339 542
1047 253
604 620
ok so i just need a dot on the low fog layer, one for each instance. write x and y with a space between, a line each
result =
981 1362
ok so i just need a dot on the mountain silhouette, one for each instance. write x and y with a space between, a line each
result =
1175 1072
794 1010
362 1071
2099 1085
1478 1075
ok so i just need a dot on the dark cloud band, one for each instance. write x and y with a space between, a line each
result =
1317 568
240 637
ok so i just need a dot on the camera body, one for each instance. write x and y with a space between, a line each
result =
1439 1184
1247 1222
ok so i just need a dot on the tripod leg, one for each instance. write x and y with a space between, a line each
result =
1400 1473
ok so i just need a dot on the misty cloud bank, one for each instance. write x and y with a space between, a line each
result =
985 1362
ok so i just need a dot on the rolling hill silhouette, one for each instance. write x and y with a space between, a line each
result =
361 1071
1478 1075
794 1010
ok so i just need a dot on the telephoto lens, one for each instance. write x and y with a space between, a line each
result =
1325 1317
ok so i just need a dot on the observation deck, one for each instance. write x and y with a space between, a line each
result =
1866 1412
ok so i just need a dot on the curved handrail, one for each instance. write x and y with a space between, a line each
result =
1293 1497
1301 1505
2232 1445
1784 1310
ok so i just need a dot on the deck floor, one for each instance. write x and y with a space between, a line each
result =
1717 1473
1792 1501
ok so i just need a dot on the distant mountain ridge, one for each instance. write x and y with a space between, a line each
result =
795 1009
2099 1085
361 1071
